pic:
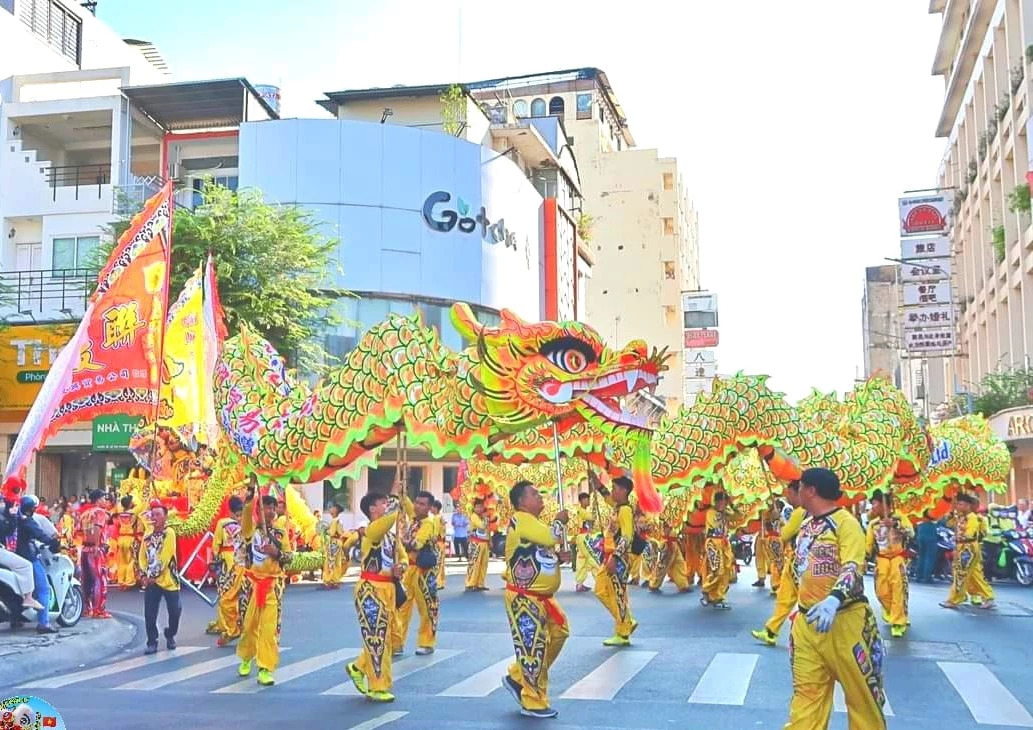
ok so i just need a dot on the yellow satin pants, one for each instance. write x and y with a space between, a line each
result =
968 575
850 653
586 561
260 635
776 561
891 586
612 592
694 557
670 564
232 603
375 609
538 638
717 577
477 568
125 560
785 599
422 592
335 563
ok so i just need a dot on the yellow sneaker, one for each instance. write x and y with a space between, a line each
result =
897 631
617 640
764 636
244 670
265 678
357 677
380 696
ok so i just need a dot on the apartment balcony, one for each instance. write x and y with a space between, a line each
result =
49 295
34 187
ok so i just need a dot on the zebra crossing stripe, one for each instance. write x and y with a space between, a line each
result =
726 680
481 684
987 699
380 720
105 669
291 671
606 680
402 669
181 675
839 702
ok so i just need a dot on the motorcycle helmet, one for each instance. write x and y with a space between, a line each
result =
28 503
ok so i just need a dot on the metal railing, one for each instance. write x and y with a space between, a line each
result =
46 292
80 177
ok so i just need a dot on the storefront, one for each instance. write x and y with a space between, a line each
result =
77 459
1015 427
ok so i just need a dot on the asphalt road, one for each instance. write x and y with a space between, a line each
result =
690 667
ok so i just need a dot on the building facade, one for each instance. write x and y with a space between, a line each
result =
983 57
882 332
637 218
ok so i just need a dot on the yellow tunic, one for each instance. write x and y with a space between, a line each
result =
157 559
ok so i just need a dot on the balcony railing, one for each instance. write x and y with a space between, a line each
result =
81 177
130 198
45 295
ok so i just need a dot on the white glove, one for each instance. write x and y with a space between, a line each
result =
823 614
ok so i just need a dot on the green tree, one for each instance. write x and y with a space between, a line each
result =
453 110
1004 389
273 266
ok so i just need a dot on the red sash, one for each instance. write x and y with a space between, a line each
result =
262 586
376 577
551 607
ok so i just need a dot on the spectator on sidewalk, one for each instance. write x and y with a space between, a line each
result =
461 534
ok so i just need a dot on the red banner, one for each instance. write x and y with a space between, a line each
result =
116 371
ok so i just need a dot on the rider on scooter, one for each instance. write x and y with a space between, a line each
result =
28 534
19 567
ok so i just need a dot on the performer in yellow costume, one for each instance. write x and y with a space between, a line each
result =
770 536
477 569
834 637
786 597
584 522
761 553
692 536
670 562
128 533
968 556
269 551
230 550
158 571
336 545
980 594
888 533
639 556
420 580
537 622
611 586
715 550
383 562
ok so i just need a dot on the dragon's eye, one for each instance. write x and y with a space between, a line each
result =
569 354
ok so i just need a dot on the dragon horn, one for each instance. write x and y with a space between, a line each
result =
464 320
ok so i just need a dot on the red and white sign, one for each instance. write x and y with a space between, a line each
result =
936 315
925 248
938 292
925 215
699 339
929 340
925 270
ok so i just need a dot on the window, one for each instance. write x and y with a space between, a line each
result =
584 106
601 119
556 106
668 226
670 316
73 252
341 494
56 25
668 181
226 181
695 320
538 108
520 109
669 270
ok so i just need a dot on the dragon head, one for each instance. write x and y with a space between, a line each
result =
535 372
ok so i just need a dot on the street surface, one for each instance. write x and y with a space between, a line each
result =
689 667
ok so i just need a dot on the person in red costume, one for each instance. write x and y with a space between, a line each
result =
94 520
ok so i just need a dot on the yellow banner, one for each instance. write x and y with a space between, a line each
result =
26 354
186 390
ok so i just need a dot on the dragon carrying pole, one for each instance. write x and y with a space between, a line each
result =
559 478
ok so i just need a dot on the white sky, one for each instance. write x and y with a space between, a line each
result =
796 123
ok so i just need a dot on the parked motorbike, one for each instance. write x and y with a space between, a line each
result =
66 602
1010 555
742 548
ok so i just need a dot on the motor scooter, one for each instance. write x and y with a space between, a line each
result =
1009 554
66 602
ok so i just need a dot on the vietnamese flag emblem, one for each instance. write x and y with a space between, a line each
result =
49 721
